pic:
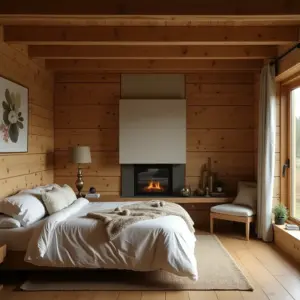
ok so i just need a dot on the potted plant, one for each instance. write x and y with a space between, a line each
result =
281 214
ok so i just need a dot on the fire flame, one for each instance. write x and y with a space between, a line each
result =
154 186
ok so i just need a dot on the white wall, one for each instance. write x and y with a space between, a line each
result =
152 131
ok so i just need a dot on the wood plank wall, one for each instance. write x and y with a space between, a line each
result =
18 171
86 113
220 124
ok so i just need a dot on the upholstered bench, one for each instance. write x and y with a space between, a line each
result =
232 212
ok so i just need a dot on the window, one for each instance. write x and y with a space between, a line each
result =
294 153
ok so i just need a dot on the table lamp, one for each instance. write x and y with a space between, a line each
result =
80 155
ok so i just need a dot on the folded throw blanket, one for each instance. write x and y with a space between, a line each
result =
117 220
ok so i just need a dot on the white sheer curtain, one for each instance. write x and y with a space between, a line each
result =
266 152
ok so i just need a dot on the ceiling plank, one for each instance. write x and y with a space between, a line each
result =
152 7
147 35
169 65
152 52
289 65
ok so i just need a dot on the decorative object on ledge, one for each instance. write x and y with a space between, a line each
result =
210 179
219 186
80 155
13 117
207 192
292 227
186 191
92 195
199 192
92 190
204 177
281 214
211 183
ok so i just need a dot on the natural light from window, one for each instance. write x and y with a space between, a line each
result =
295 154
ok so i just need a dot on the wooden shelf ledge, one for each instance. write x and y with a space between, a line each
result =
179 200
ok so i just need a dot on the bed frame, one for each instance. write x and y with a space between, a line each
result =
14 260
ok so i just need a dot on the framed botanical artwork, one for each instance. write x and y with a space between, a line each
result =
13 116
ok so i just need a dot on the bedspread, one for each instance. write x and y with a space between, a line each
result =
70 239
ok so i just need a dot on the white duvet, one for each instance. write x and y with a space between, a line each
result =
69 239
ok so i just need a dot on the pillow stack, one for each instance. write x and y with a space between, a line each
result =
31 205
58 198
7 222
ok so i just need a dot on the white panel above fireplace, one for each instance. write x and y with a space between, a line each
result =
152 131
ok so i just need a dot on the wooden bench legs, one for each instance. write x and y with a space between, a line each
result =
246 220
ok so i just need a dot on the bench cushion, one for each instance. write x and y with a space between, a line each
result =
233 210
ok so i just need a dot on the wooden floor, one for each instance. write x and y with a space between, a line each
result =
271 273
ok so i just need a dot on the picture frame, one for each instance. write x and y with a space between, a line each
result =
14 116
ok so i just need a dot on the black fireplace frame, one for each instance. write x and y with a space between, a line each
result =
168 192
127 180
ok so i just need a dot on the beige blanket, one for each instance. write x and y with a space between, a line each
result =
117 220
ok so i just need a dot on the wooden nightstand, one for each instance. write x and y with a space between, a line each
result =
2 256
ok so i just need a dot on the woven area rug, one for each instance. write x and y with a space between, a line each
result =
217 271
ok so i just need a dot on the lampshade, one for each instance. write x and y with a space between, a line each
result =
81 155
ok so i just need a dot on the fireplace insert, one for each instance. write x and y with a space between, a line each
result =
153 180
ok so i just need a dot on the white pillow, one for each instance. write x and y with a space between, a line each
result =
69 192
24 207
56 199
7 222
37 191
247 196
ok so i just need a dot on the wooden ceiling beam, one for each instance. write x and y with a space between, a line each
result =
147 35
150 20
152 7
153 65
152 52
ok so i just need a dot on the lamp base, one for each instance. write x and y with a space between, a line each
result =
79 183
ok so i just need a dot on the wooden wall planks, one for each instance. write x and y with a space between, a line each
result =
219 140
220 117
86 116
221 126
24 170
86 113
220 122
97 139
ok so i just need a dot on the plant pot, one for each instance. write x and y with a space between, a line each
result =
279 221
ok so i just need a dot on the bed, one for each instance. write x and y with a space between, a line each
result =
69 239
17 239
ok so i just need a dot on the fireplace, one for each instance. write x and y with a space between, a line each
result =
153 180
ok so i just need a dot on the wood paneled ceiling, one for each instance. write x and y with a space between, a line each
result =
142 36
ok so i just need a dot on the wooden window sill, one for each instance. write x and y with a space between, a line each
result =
288 241
293 233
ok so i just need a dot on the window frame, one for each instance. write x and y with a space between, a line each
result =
285 142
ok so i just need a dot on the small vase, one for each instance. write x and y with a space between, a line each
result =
186 192
219 189
279 221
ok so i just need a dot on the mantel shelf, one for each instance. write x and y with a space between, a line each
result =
180 200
